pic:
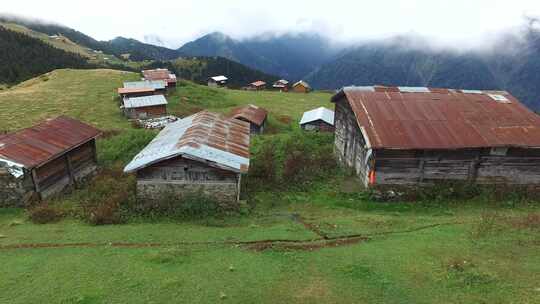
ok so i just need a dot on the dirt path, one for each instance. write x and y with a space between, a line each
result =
323 241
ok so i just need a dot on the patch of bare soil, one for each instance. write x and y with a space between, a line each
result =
305 246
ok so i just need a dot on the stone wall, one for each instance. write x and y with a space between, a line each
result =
15 192
183 176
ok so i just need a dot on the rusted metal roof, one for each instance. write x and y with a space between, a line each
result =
35 146
428 118
134 90
321 113
258 83
206 137
159 74
251 113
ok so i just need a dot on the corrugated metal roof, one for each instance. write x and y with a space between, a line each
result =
318 114
441 119
302 83
134 90
250 113
258 83
208 137
219 78
144 101
154 84
37 145
159 74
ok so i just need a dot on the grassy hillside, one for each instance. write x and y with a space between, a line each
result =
90 95
317 239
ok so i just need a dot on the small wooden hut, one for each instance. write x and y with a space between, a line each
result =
41 161
254 115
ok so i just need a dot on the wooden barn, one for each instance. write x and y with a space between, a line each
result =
145 107
217 81
415 136
38 162
254 115
258 85
204 153
281 85
319 120
301 87
142 88
160 74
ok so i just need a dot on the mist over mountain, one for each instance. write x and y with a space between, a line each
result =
511 63
291 56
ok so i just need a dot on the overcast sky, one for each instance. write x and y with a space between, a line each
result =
178 21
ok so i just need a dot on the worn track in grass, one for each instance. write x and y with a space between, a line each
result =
257 245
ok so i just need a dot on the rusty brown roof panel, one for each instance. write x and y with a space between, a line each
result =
37 145
251 113
258 83
134 90
222 142
427 118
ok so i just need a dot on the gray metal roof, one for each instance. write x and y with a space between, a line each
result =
318 114
219 78
154 84
206 137
144 101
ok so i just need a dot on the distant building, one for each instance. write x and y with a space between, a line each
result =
301 87
143 88
160 74
418 136
320 120
217 81
145 107
281 85
257 85
41 161
203 153
255 116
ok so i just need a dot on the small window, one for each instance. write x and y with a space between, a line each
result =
499 98
498 151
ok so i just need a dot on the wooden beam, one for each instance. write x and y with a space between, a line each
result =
36 184
421 172
70 171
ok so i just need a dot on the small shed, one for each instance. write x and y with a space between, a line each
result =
158 86
418 136
203 153
43 160
135 92
281 85
320 120
301 87
217 81
254 115
160 74
145 107
258 85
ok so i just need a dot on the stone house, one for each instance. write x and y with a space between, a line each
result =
205 152
254 115
419 136
320 120
41 161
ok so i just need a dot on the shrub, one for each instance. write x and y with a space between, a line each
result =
104 197
292 160
45 213
194 205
